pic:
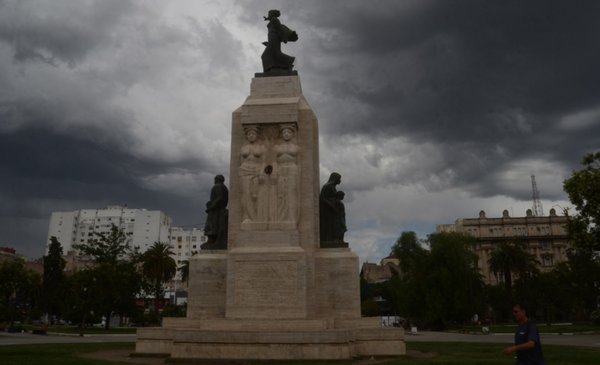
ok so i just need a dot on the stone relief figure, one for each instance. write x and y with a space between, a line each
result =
286 154
332 222
252 162
272 58
215 227
266 206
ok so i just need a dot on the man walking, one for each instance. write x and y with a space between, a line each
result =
527 339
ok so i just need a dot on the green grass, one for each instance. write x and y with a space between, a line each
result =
479 353
443 353
57 354
88 330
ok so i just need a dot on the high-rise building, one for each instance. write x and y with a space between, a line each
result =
142 227
185 243
544 236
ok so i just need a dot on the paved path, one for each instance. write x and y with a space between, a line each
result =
546 338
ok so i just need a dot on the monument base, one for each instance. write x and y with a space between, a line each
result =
261 322
276 293
327 339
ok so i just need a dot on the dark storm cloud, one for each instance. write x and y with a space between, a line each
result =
64 31
487 82
44 171
468 95
477 61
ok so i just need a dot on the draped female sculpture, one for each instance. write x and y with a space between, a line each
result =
252 161
286 153
272 58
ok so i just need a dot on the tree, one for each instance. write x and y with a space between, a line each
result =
583 189
53 277
438 286
547 293
81 297
107 248
158 267
19 289
512 258
454 286
117 281
410 253
184 269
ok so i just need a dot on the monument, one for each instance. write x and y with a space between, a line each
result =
275 290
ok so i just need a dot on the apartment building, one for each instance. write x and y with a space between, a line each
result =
142 227
185 242
544 236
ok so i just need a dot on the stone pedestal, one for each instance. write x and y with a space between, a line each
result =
274 294
206 285
267 283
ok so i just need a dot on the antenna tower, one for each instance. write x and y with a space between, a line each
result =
537 204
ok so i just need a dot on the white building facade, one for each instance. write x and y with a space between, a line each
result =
185 243
142 227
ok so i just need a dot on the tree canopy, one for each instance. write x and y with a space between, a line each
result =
437 286
53 278
158 267
583 189
115 278
512 259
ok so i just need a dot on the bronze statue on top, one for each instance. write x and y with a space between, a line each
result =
217 215
274 61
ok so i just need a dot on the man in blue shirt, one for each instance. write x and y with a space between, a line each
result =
527 339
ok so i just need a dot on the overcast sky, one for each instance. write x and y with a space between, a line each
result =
430 110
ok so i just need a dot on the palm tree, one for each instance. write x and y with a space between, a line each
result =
512 258
184 269
158 267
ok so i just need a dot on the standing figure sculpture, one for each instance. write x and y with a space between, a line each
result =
332 214
286 154
252 161
272 58
216 220
340 227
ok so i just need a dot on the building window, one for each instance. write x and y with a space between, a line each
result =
547 260
546 245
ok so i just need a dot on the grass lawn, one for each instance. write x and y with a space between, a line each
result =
88 330
423 353
56 354
483 353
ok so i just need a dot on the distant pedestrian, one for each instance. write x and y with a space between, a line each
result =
527 339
